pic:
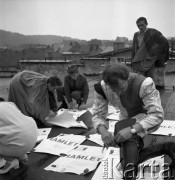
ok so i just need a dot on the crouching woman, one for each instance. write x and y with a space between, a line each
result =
18 135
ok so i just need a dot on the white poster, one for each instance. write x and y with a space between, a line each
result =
66 118
166 128
60 144
43 134
80 160
111 168
96 138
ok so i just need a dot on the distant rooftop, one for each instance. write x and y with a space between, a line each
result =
71 53
44 61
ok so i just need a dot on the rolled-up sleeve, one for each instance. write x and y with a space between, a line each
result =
99 111
152 103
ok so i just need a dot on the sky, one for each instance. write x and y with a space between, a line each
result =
86 19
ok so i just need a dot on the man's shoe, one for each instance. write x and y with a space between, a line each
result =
9 165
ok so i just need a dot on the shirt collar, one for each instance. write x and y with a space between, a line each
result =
143 32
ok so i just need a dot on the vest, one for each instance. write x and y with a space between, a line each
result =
130 99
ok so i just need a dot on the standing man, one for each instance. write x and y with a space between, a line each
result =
35 94
139 103
76 87
150 49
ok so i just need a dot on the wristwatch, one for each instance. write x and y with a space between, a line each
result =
133 131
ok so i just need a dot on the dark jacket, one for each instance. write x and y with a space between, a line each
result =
155 44
80 84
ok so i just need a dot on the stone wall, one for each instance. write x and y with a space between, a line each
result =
93 66
49 68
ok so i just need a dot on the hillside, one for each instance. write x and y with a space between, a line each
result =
15 39
15 46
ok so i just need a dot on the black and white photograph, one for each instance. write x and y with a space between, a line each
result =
64 63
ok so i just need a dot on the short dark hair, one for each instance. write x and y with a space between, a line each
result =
2 99
54 81
142 19
72 69
113 72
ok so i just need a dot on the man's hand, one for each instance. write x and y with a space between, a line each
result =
70 105
123 135
51 114
82 106
106 136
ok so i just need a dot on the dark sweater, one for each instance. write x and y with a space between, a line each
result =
71 85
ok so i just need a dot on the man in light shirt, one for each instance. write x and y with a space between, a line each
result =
137 98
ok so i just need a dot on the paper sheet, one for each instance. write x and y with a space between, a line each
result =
111 126
43 134
77 113
114 117
66 118
96 138
112 110
166 128
151 169
86 118
111 169
60 144
80 161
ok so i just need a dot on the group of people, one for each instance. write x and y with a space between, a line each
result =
40 97
33 99
134 93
